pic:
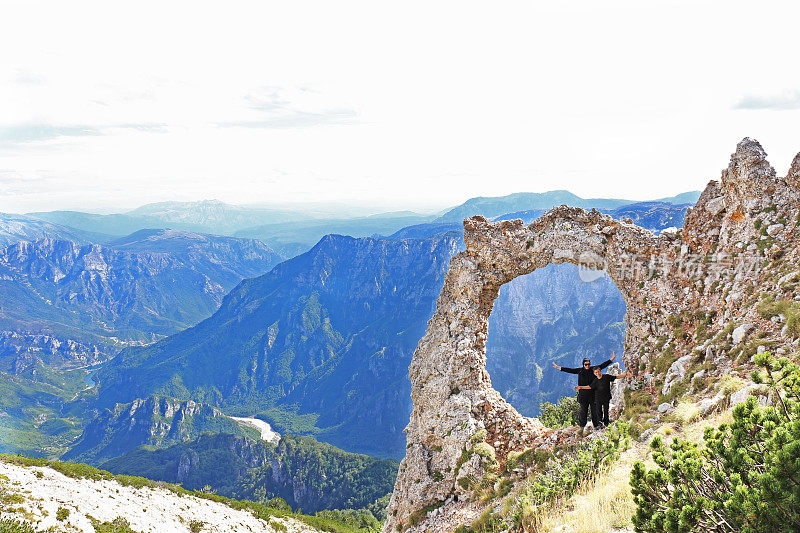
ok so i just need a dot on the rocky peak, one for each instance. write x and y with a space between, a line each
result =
793 177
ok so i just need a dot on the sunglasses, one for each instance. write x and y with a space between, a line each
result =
587 364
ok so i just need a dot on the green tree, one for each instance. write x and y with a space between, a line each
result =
561 414
745 478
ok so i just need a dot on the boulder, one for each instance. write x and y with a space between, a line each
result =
677 372
741 332
670 233
715 206
710 405
774 229
751 390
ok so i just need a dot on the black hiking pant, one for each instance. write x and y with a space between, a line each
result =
586 404
601 407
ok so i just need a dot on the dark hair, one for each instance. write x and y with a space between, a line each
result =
586 360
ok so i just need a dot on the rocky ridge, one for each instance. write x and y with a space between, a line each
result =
701 299
156 421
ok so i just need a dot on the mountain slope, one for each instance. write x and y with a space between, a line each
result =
308 475
328 333
155 421
61 497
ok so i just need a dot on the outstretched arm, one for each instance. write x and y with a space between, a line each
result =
567 370
583 387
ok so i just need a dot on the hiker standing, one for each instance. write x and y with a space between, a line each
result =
601 387
586 396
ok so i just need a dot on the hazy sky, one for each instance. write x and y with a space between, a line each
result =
406 104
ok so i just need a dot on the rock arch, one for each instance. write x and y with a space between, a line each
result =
453 399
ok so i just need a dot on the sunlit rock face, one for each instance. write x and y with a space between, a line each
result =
460 426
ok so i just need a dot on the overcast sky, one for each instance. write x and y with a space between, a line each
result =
405 104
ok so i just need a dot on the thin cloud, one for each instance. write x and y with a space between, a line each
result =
295 119
146 127
779 102
289 107
25 133
29 133
27 77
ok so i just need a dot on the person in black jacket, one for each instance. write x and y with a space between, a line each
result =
586 397
601 386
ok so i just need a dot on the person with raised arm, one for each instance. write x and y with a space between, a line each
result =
601 387
586 395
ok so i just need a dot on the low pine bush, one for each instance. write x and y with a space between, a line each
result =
746 476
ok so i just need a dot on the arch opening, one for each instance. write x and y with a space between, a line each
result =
557 313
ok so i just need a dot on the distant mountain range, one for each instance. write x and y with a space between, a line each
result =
208 216
291 230
66 302
292 238
17 228
492 207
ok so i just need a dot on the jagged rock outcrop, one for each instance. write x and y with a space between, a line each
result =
155 420
461 428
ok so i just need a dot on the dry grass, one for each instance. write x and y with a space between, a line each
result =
606 504
685 412
602 505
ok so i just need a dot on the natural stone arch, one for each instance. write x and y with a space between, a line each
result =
453 399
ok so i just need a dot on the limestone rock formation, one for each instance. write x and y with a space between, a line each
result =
461 428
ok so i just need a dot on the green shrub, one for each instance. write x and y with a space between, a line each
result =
561 414
15 526
62 514
745 478
769 308
561 476
118 525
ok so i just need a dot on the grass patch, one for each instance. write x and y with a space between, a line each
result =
15 526
118 525
684 413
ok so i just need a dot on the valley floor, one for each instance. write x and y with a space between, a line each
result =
36 494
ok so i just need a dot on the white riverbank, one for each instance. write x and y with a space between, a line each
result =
267 433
